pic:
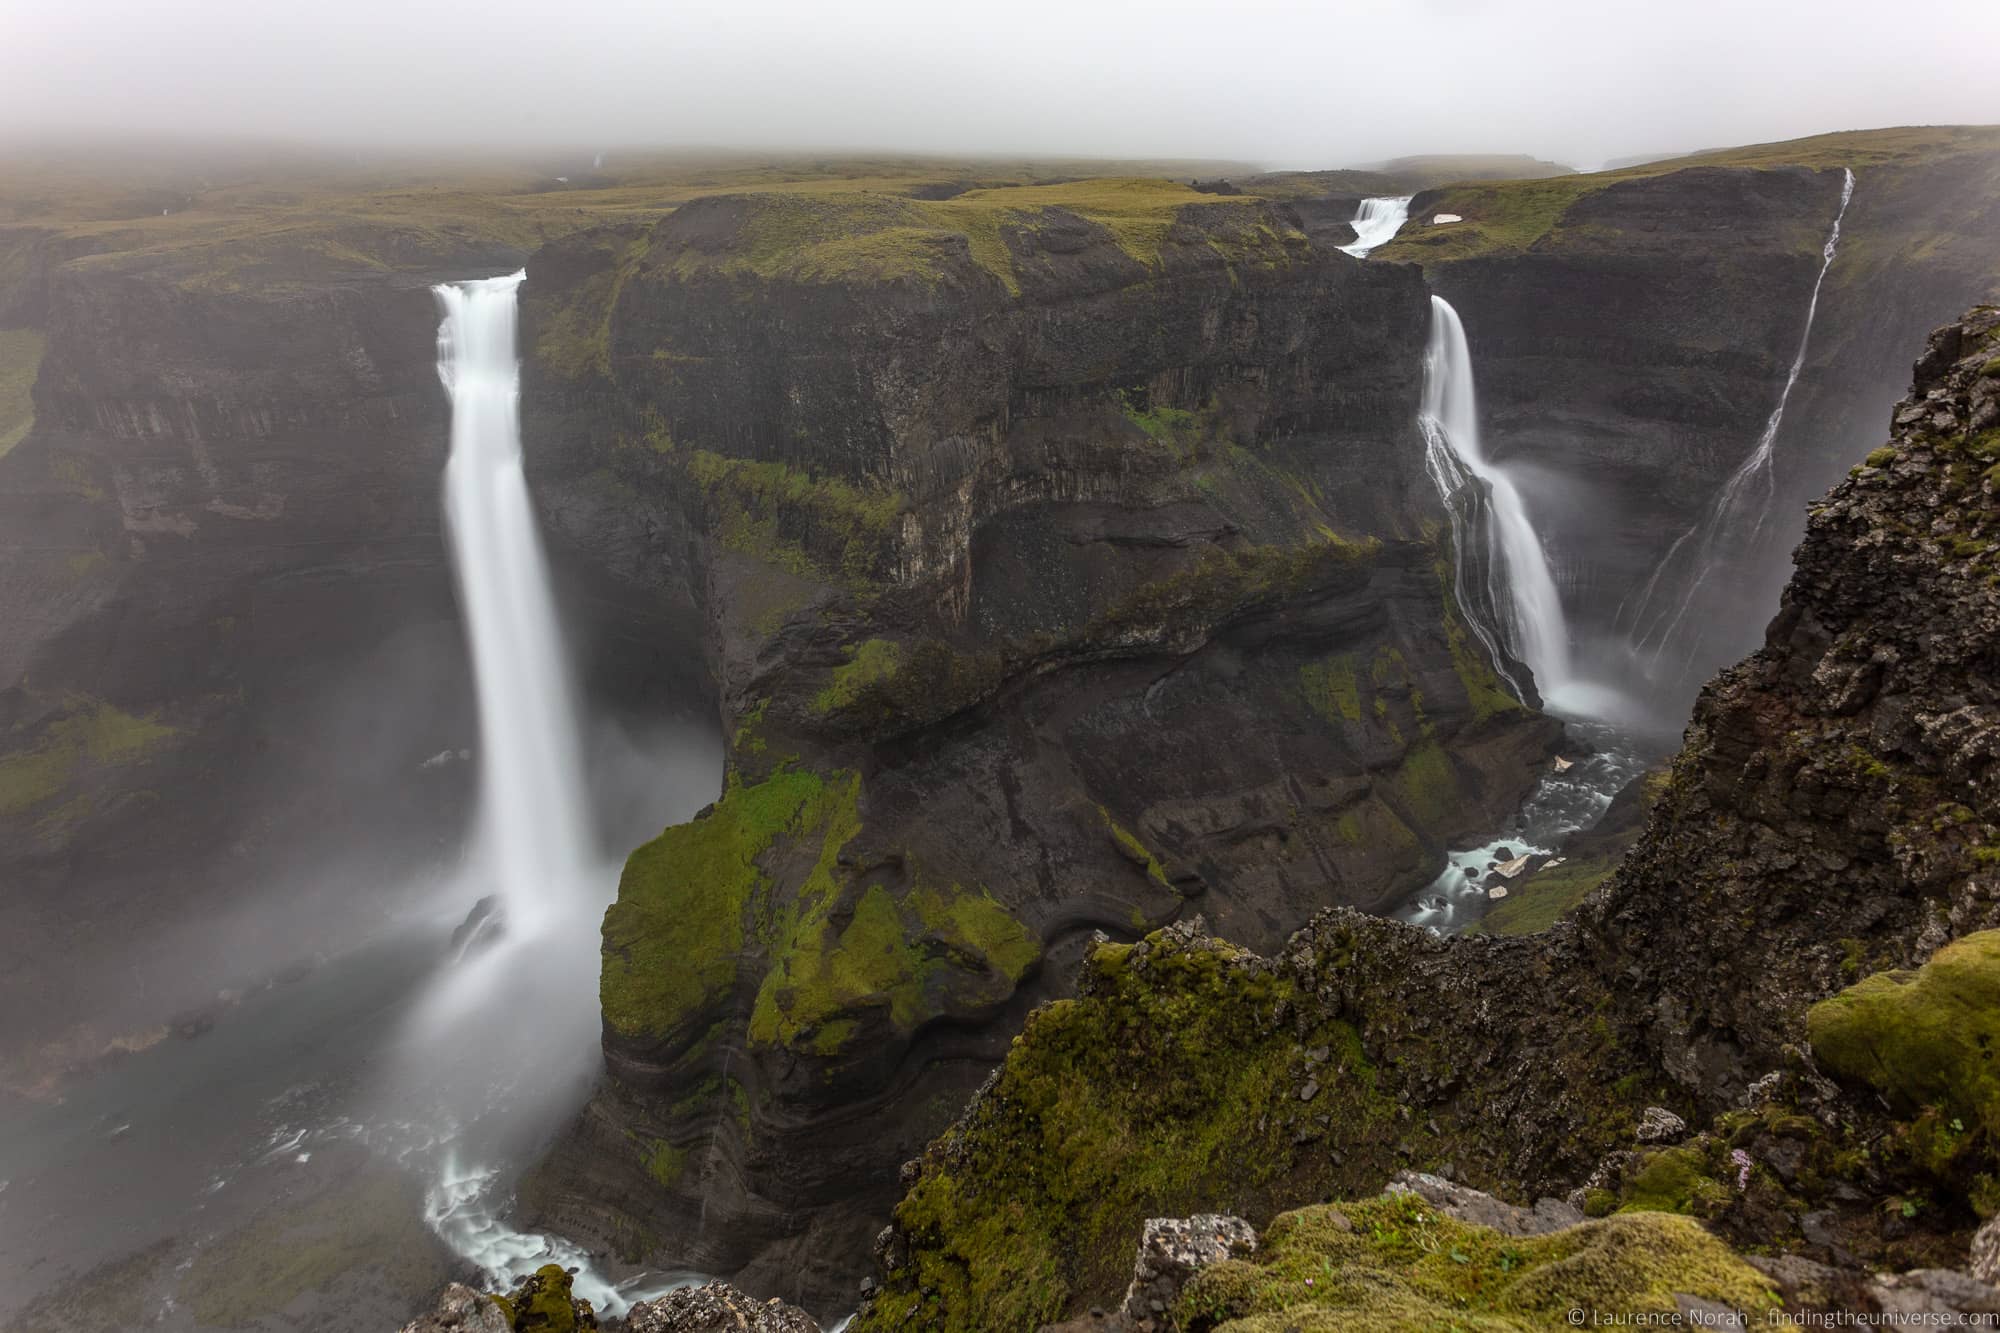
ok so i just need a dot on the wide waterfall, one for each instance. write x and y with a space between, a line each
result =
1377 223
1736 518
1515 605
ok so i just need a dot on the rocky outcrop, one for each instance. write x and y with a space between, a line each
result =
1068 560
1828 818
716 1307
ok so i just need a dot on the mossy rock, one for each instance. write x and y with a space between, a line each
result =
544 1303
1396 1262
1922 1038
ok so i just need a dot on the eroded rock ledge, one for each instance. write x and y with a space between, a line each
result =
1831 816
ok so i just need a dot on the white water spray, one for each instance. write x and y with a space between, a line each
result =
1518 607
1377 223
1747 495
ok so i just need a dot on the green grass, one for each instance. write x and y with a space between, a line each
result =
20 362
822 528
1427 785
1536 902
853 236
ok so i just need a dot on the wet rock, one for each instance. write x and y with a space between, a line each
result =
1933 1291
1480 1209
1659 1125
1173 1249
461 1310
717 1308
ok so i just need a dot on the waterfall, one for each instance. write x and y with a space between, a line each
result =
1747 495
505 1043
534 827
1517 607
1377 223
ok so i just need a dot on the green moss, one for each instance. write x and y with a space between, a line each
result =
545 1303
1922 1038
1483 690
673 937
20 363
1881 457
1133 850
89 734
1674 1180
664 1162
1081 1138
1175 428
1397 1263
822 528
1427 784
1331 688
1538 901
830 236
868 664
838 954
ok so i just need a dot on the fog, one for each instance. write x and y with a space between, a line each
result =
1279 83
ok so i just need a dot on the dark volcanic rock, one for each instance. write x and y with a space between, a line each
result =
1054 582
1829 817
717 1307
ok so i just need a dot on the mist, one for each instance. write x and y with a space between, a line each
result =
1267 81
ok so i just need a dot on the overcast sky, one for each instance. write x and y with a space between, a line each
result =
1282 83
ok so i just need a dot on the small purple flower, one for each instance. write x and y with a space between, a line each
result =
1743 1164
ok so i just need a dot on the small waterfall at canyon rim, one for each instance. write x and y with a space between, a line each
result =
1377 223
1745 499
1508 596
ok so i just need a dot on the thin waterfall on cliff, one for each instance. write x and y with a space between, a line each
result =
1502 579
1741 508
1377 223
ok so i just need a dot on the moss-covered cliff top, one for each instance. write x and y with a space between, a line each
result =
850 235
231 219
1511 216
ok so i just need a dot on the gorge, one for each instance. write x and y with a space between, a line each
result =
976 594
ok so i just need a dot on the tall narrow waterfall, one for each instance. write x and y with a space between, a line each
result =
1737 516
503 1046
1515 605
533 822
1377 223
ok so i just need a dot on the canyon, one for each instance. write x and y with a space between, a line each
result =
1020 565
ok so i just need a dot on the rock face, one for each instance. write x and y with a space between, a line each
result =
716 1307
1633 334
1066 560
232 637
1829 817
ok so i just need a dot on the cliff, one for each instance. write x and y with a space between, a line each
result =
1068 561
1826 829
1633 332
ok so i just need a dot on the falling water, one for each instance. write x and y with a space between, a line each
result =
1377 223
506 1039
1747 495
1518 608
534 827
